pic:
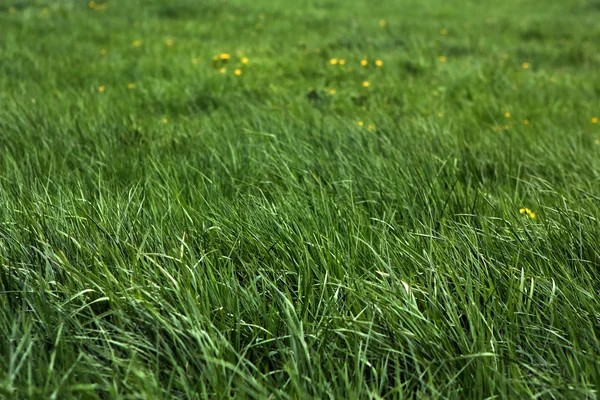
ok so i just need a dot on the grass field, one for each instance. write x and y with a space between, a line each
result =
214 199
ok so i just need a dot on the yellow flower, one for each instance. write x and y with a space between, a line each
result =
525 65
238 72
169 42
594 120
137 43
244 60
379 63
215 58
131 86
526 122
222 70
101 89
382 22
360 123
371 127
332 91
441 114
164 120
103 52
364 63
92 4
442 59
444 31
507 114
225 56
597 141
366 84
527 211
333 61
342 62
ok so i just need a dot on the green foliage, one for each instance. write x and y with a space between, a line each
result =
169 229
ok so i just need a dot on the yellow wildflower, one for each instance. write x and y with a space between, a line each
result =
238 72
364 63
442 59
360 123
526 122
379 63
382 22
332 91
527 211
333 61
244 60
525 65
371 127
366 84
169 42
103 52
507 114
342 62
131 86
594 120
441 114
164 120
444 31
137 43
101 89
225 56
222 70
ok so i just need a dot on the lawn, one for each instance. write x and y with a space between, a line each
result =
291 200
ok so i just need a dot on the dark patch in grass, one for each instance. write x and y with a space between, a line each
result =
532 34
412 68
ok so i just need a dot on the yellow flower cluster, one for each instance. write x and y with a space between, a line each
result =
528 212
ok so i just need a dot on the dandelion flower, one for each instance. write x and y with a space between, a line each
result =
342 62
103 52
215 58
507 114
366 84
382 22
526 122
137 43
164 120
169 42
131 86
595 120
225 56
332 91
441 114
525 65
92 4
597 141
244 60
101 89
371 127
364 63
444 31
238 72
527 211
222 70
379 63
333 61
361 123
442 59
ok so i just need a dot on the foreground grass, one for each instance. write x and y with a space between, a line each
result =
169 229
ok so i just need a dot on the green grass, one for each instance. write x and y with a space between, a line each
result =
207 235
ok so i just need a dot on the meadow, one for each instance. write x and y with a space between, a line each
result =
291 200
